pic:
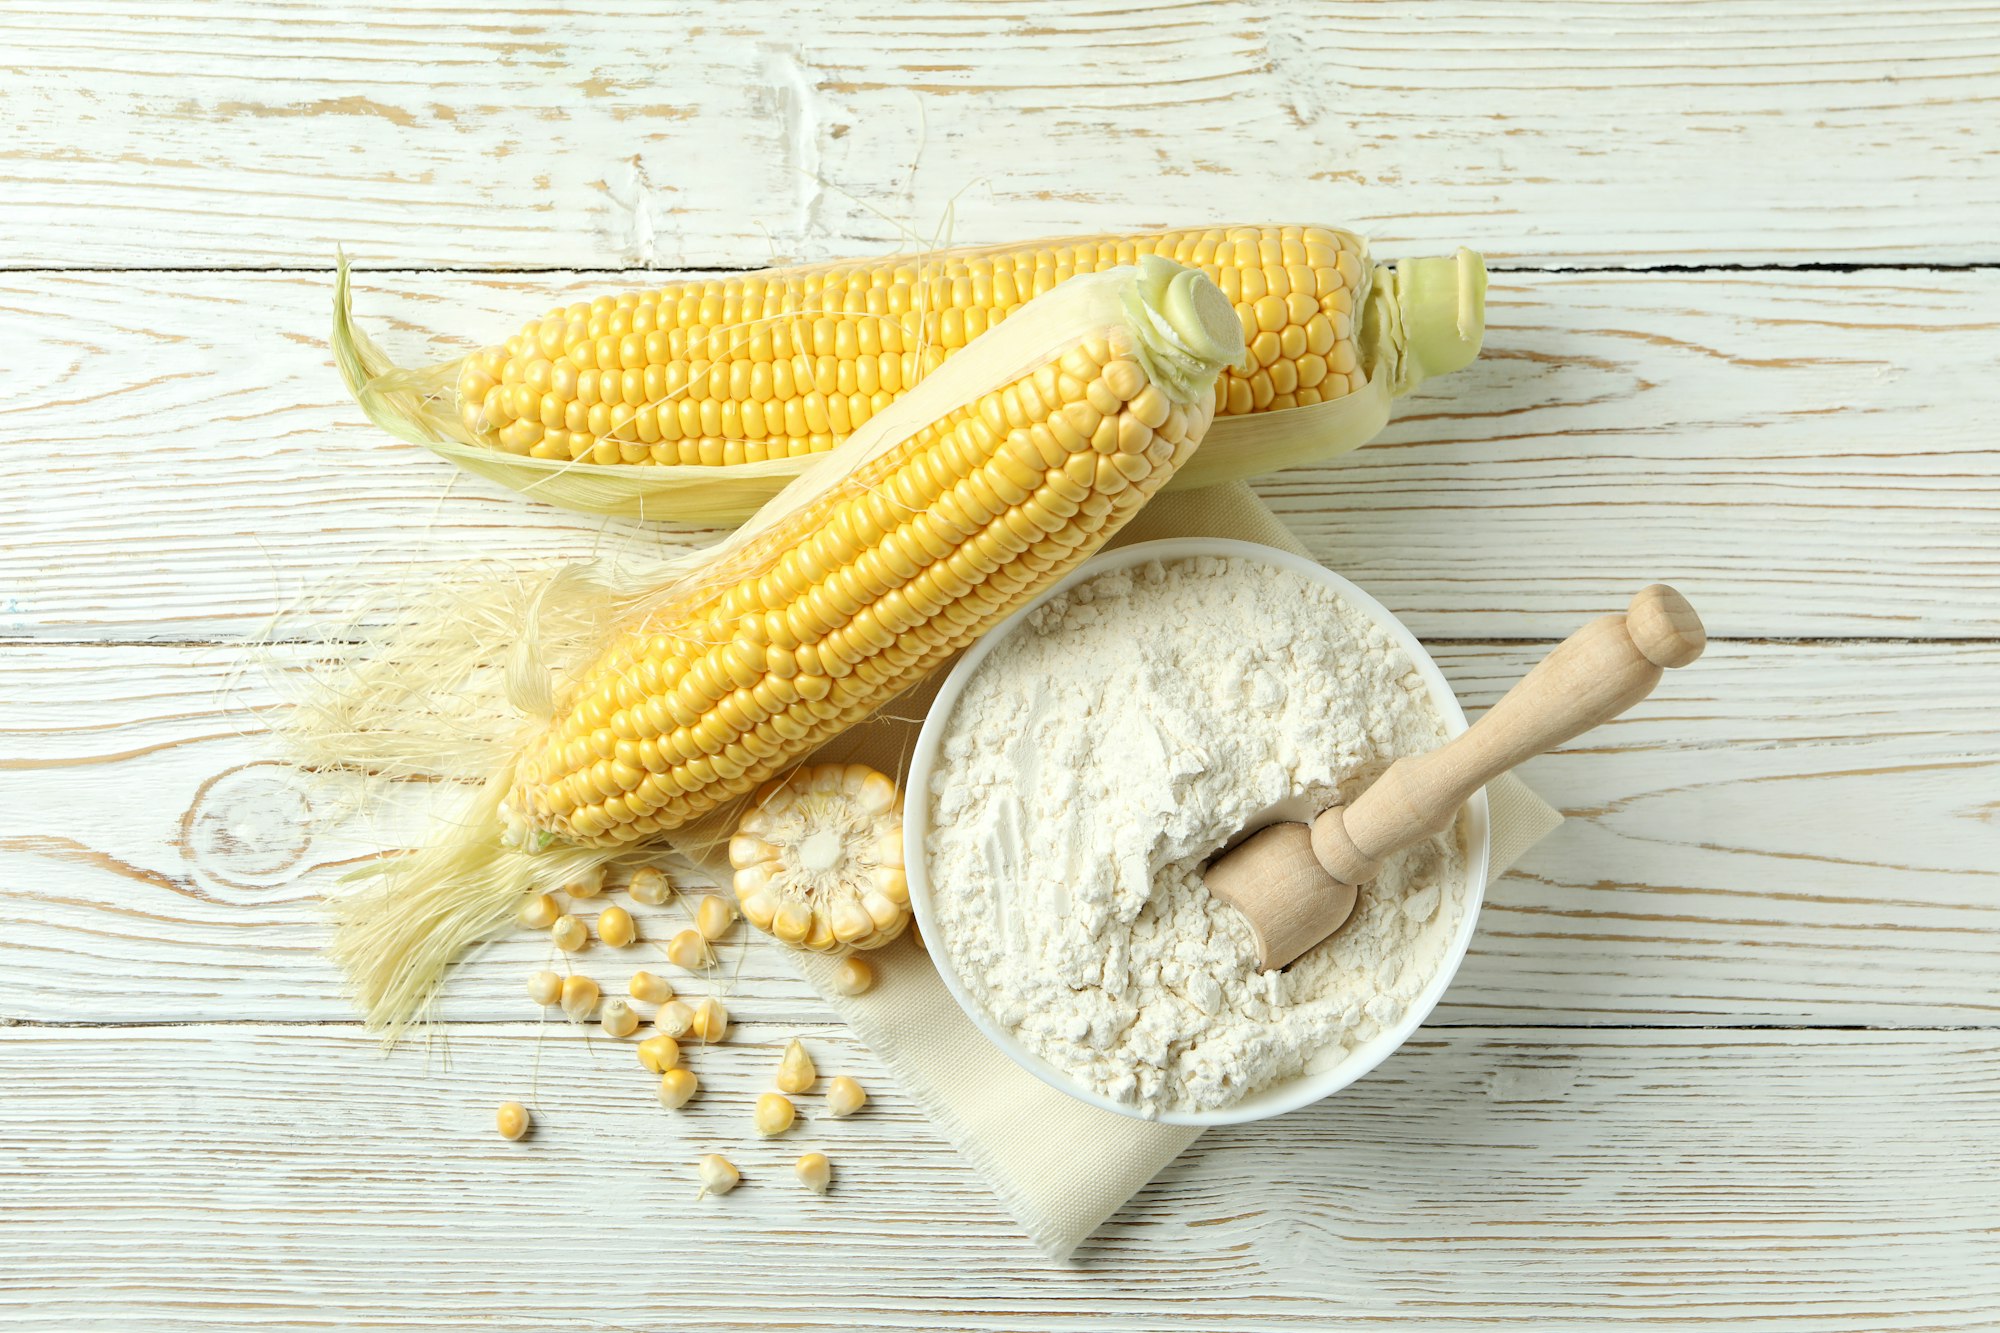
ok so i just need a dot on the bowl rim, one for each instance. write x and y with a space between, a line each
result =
1303 1089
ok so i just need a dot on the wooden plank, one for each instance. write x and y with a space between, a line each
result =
205 1178
438 132
202 467
1784 834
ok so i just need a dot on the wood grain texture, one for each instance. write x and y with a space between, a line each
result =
1479 1179
193 1133
1802 453
444 133
1725 861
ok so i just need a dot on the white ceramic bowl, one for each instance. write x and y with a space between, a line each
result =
1323 1076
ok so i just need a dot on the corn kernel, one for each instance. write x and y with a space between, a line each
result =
538 911
690 950
659 1054
512 1120
844 1097
650 886
677 1088
718 1175
675 1019
587 885
715 916
796 1072
545 988
650 987
814 1172
615 927
774 1114
569 934
711 1020
617 1019
579 997
854 976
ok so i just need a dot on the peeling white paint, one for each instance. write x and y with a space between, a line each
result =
799 108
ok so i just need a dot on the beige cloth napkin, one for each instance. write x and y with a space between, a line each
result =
1061 1167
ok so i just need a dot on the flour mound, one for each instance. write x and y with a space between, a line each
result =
1107 749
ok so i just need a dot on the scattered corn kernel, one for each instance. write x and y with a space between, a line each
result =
538 911
587 885
718 1175
615 928
675 1019
711 1020
545 987
690 950
677 1086
569 934
714 916
795 1071
844 1097
854 976
814 1172
659 1054
617 1019
579 997
650 886
651 988
774 1114
511 1120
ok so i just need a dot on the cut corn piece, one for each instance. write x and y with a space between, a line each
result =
818 859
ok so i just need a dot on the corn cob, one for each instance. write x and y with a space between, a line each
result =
758 372
860 595
998 474
743 369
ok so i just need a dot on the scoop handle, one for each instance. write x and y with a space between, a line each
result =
1591 677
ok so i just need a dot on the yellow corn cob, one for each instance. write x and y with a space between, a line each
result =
759 374
1002 471
859 595
782 364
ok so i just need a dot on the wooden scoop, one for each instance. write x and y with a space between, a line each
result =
1296 882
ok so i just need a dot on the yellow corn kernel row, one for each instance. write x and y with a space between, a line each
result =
859 596
787 363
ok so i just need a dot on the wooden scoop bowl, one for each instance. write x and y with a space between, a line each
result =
1296 883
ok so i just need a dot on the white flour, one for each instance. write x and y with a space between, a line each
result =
1107 749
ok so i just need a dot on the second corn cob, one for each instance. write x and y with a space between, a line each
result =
734 383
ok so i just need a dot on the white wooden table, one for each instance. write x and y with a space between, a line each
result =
1725 1054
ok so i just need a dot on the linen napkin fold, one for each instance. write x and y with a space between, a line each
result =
1060 1166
